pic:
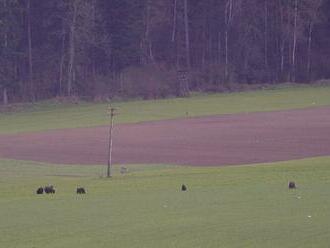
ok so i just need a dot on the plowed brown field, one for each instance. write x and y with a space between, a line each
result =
217 140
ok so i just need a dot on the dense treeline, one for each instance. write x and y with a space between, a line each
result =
154 48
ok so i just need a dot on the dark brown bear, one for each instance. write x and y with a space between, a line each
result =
49 189
81 191
40 191
292 185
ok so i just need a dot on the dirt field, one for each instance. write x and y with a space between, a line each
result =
222 140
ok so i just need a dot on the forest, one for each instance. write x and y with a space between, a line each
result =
101 49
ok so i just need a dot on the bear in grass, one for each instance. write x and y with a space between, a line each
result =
49 189
40 191
292 185
81 191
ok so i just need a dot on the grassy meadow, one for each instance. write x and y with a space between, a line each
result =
52 115
244 206
240 206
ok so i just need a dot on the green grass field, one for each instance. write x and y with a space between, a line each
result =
50 115
240 206
246 206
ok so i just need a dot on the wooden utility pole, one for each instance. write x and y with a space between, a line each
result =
112 114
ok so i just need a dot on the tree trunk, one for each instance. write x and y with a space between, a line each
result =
228 16
149 51
226 55
5 96
174 19
290 18
62 62
72 49
219 47
94 56
187 38
4 91
282 41
31 85
6 40
204 48
309 59
282 57
266 34
294 42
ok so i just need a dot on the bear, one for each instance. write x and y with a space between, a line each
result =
291 185
81 191
40 191
49 189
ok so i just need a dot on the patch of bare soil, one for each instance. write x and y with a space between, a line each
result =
219 140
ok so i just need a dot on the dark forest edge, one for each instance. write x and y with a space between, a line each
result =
107 49
62 102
